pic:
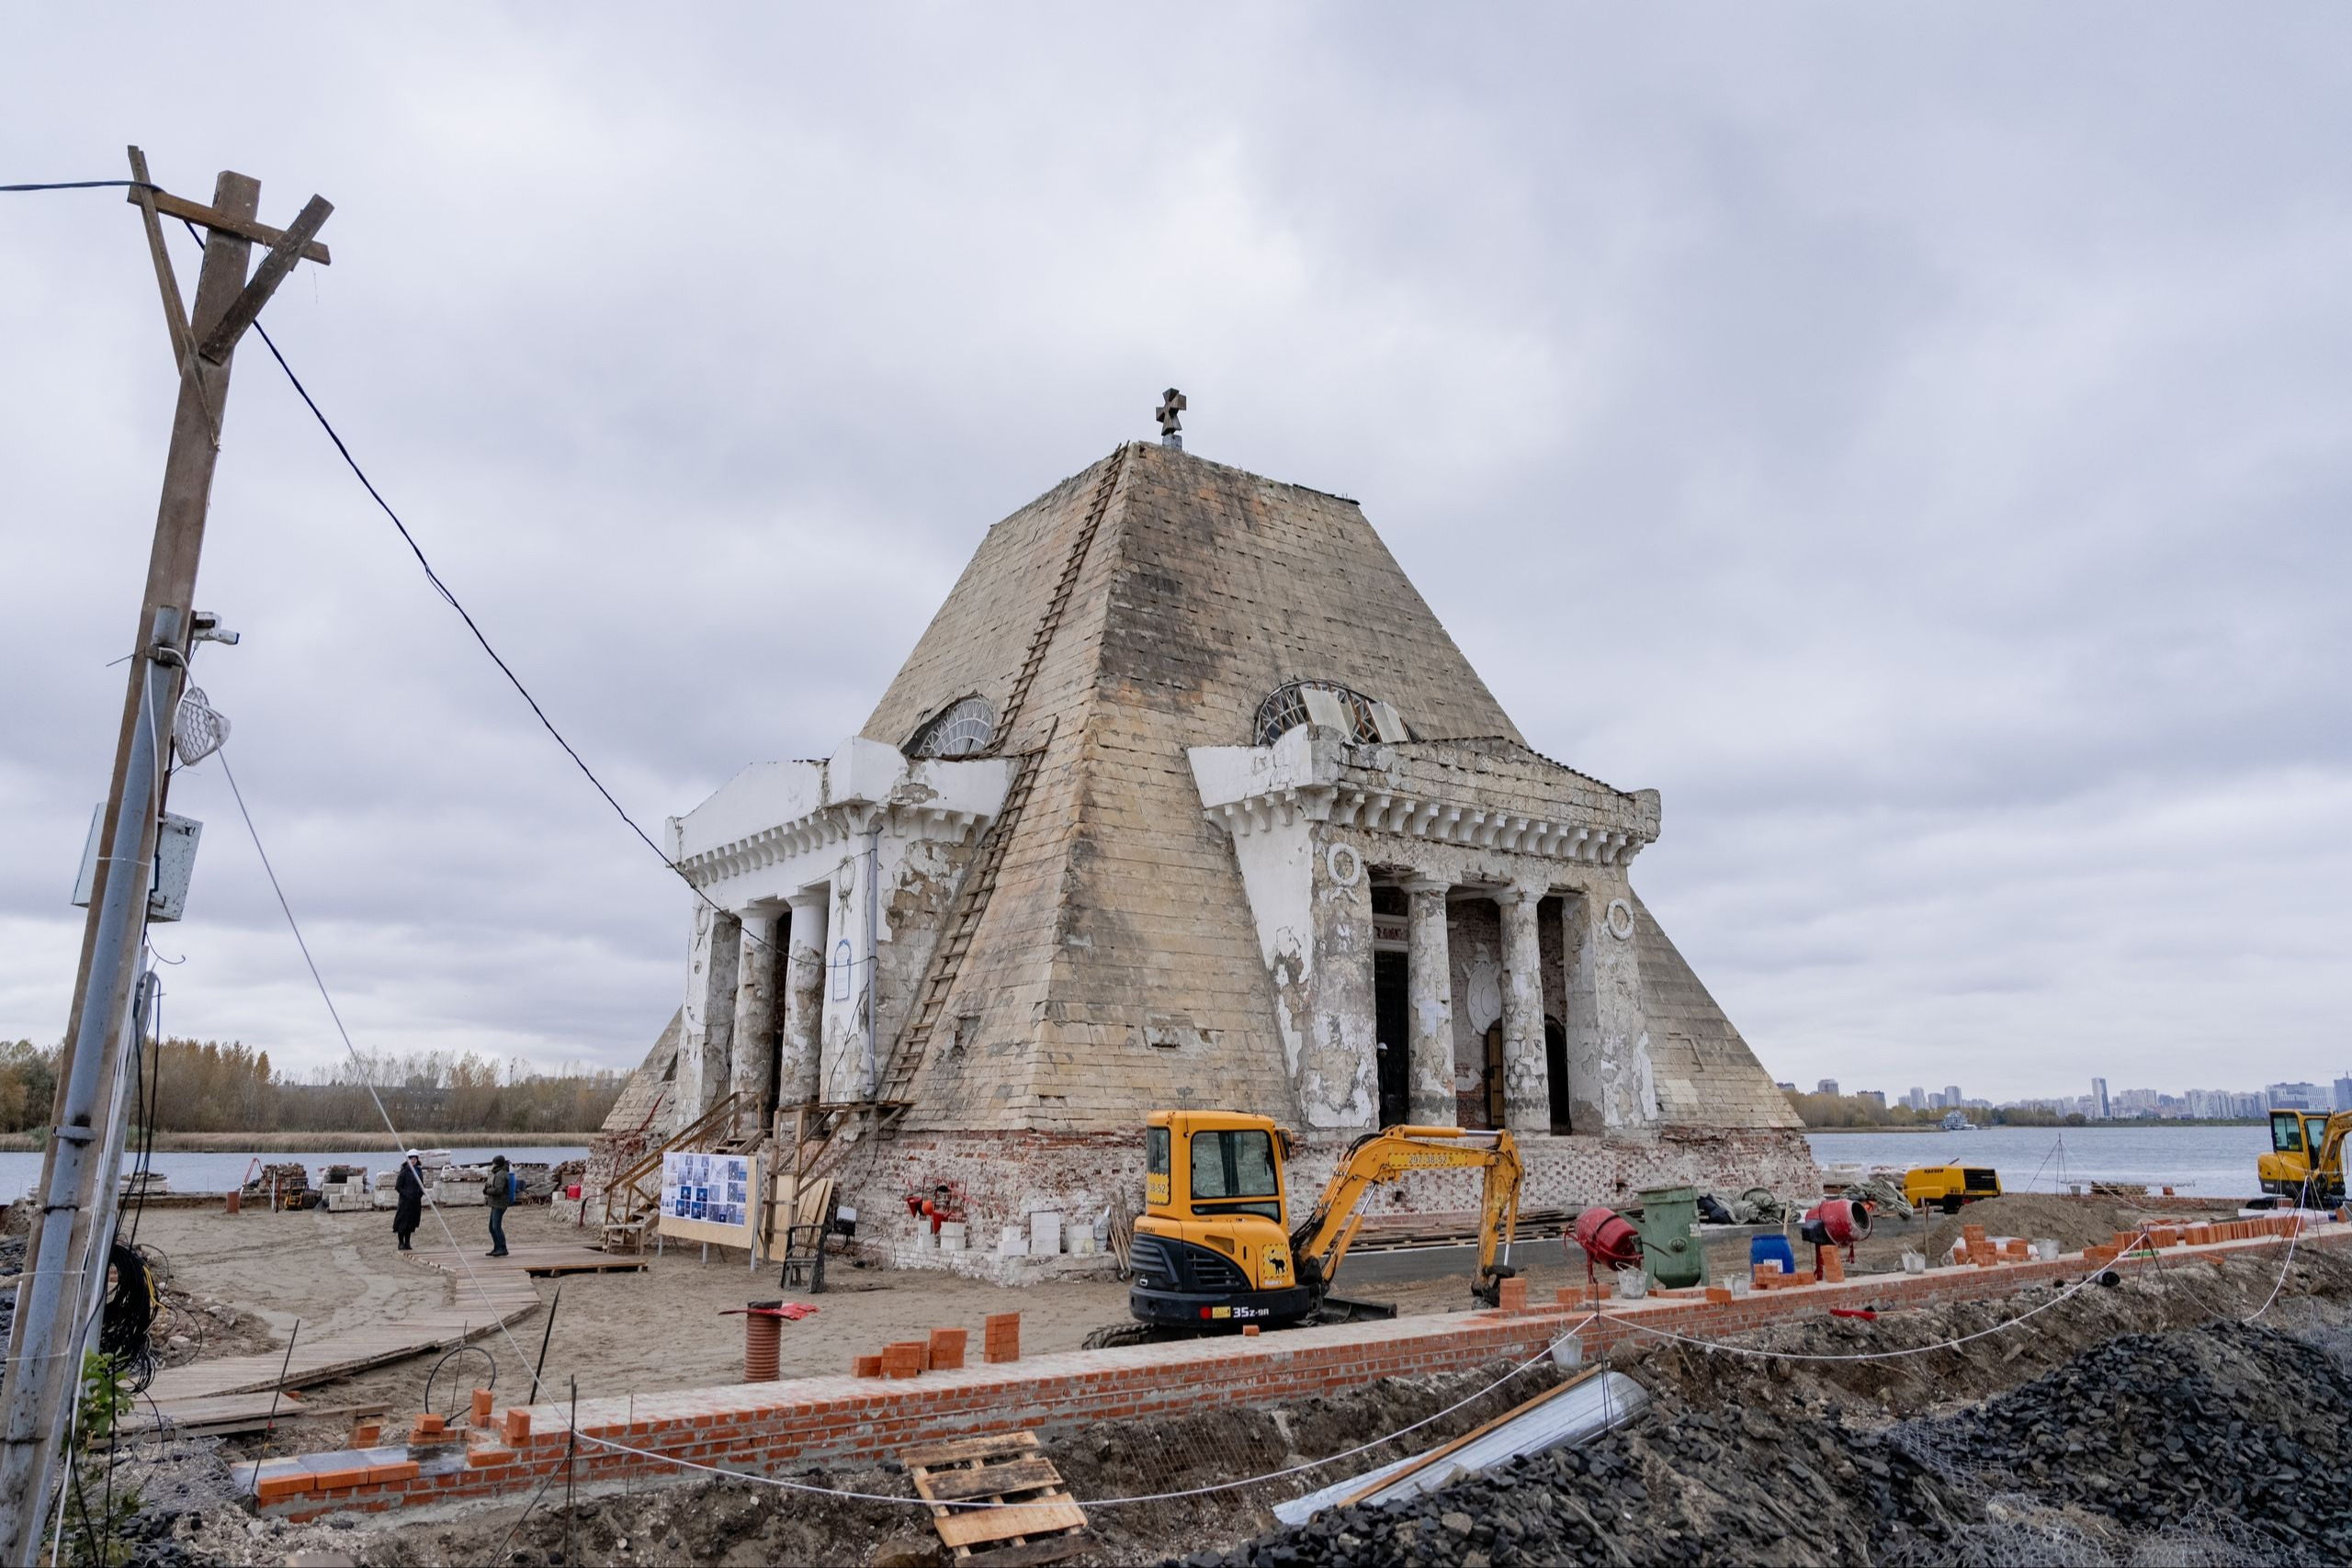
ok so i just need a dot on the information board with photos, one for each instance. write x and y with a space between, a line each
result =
709 1197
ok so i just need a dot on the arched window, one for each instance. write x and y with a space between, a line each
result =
962 728
1367 718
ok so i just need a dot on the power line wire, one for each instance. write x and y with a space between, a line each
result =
84 185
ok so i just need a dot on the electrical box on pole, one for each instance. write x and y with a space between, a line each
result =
65 1275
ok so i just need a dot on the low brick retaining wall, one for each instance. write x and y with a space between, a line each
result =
791 1425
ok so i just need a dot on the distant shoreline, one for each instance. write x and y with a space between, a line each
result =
325 1142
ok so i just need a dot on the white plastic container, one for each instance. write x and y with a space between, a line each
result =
2047 1248
1012 1242
1632 1284
1046 1234
1081 1243
951 1236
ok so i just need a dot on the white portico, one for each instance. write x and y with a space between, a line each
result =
1363 858
815 877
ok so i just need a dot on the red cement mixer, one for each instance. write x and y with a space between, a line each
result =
1836 1222
1608 1238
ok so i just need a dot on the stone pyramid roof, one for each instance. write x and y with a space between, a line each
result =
1117 955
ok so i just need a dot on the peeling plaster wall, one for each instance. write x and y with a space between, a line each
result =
1474 940
706 1038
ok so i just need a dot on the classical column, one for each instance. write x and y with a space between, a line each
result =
1610 1081
707 1035
804 999
753 1064
1527 1091
1430 999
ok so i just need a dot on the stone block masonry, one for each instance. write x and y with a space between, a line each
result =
777 1426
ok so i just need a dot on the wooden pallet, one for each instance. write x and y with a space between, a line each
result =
1044 1524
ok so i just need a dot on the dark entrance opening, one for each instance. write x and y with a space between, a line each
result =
1555 1072
1391 1017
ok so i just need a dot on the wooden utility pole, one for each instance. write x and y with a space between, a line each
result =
65 1257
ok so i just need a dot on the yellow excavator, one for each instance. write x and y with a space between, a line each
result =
2306 1157
1214 1248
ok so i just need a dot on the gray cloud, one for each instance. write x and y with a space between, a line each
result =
1913 444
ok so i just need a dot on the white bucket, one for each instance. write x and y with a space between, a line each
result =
2047 1248
1632 1284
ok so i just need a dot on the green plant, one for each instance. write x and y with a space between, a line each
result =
98 1514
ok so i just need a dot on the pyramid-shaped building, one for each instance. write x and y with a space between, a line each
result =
1185 798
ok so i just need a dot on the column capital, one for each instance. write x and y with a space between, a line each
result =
1418 883
1521 893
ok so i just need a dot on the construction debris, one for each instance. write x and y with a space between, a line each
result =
1038 1521
1572 1413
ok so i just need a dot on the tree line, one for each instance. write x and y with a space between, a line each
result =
207 1086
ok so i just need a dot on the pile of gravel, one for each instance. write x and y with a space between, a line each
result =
2223 1444
2166 1433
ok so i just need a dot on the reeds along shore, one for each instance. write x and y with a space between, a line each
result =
327 1143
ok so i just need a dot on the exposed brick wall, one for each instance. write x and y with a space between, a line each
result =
1006 1177
780 1425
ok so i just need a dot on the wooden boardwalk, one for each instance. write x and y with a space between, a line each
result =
496 1291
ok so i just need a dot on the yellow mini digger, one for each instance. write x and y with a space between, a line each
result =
1214 1248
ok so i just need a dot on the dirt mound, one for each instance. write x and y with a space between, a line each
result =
1684 1487
2075 1222
2215 1444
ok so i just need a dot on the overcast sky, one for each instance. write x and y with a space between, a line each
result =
1914 443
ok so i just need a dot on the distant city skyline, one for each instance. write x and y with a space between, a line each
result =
2101 1103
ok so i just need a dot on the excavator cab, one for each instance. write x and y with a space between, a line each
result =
1212 1250
1215 1249
2305 1160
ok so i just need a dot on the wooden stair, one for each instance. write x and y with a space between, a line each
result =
633 1195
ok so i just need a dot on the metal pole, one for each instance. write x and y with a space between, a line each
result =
873 948
64 1267
44 1351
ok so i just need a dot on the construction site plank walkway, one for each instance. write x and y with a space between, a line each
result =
498 1291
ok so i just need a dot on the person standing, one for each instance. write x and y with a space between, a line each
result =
409 1212
498 1192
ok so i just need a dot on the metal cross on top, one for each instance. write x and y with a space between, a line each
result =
1172 428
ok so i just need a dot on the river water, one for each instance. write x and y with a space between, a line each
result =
214 1171
2200 1162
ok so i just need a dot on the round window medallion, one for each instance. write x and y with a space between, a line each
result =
1346 866
1621 919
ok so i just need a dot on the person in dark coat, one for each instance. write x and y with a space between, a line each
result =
498 1192
410 1188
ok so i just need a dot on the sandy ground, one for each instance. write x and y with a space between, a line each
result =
619 1334
667 1328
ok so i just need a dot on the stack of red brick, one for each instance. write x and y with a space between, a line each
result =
943 1351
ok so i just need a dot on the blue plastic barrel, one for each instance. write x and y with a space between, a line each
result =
1772 1249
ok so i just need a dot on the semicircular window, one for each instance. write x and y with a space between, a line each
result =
962 728
1367 719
